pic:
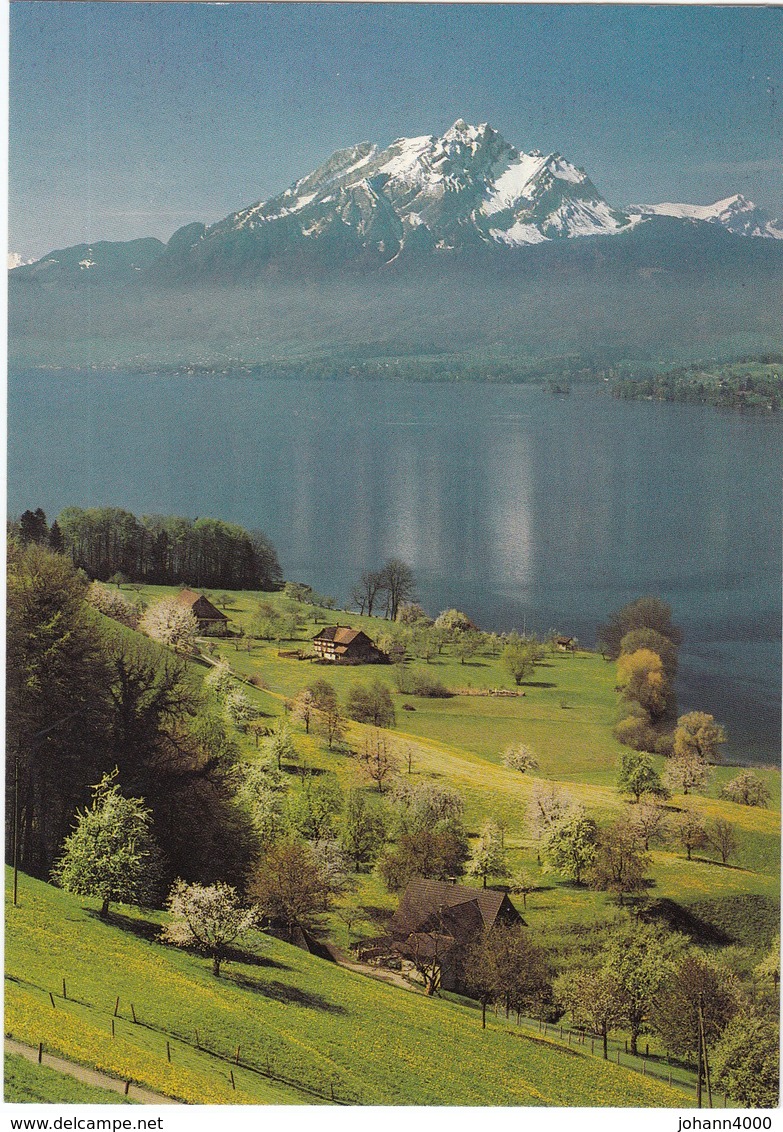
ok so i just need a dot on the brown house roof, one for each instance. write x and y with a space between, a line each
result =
463 911
340 634
200 606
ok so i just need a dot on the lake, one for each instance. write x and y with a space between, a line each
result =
525 509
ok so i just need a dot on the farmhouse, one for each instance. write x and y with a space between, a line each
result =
341 643
565 644
438 920
210 619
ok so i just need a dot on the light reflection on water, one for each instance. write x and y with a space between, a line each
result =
518 506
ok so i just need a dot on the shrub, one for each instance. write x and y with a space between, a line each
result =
412 683
636 732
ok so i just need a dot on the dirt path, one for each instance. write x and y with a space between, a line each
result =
382 974
88 1076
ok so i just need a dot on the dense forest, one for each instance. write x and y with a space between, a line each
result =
86 695
157 549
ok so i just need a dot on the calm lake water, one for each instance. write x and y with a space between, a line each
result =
522 508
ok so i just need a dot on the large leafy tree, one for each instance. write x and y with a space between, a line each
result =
363 829
504 965
746 1061
637 776
639 959
644 613
571 845
291 887
697 735
111 853
619 864
57 702
371 703
520 656
695 985
594 998
438 853
651 639
641 679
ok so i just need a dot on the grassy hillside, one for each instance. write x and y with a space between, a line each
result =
25 1083
565 712
285 1009
295 1018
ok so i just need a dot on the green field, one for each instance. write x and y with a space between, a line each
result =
25 1083
285 1009
294 1017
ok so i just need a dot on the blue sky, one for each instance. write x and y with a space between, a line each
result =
132 119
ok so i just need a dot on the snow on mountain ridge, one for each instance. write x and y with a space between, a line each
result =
420 195
736 214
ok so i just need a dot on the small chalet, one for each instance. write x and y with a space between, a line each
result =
565 644
210 619
439 920
339 643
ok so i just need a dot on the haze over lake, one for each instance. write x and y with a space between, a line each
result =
525 509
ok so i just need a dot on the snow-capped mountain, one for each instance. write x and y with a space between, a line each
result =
736 214
468 187
423 197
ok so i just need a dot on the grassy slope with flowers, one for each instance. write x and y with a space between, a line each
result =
308 1020
303 1013
566 715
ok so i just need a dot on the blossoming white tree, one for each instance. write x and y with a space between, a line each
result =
171 624
208 917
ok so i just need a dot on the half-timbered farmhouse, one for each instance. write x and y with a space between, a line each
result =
339 643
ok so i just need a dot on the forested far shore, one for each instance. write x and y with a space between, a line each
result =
109 543
746 384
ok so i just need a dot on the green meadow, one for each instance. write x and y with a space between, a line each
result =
25 1083
294 1017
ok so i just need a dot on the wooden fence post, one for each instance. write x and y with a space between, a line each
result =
618 1055
233 1083
127 1087
168 1052
51 999
133 1012
112 1027
65 993
236 1059
40 1055
116 1006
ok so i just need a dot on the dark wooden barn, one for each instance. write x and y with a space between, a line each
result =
439 920
210 619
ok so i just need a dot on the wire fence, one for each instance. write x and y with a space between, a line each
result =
335 1092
